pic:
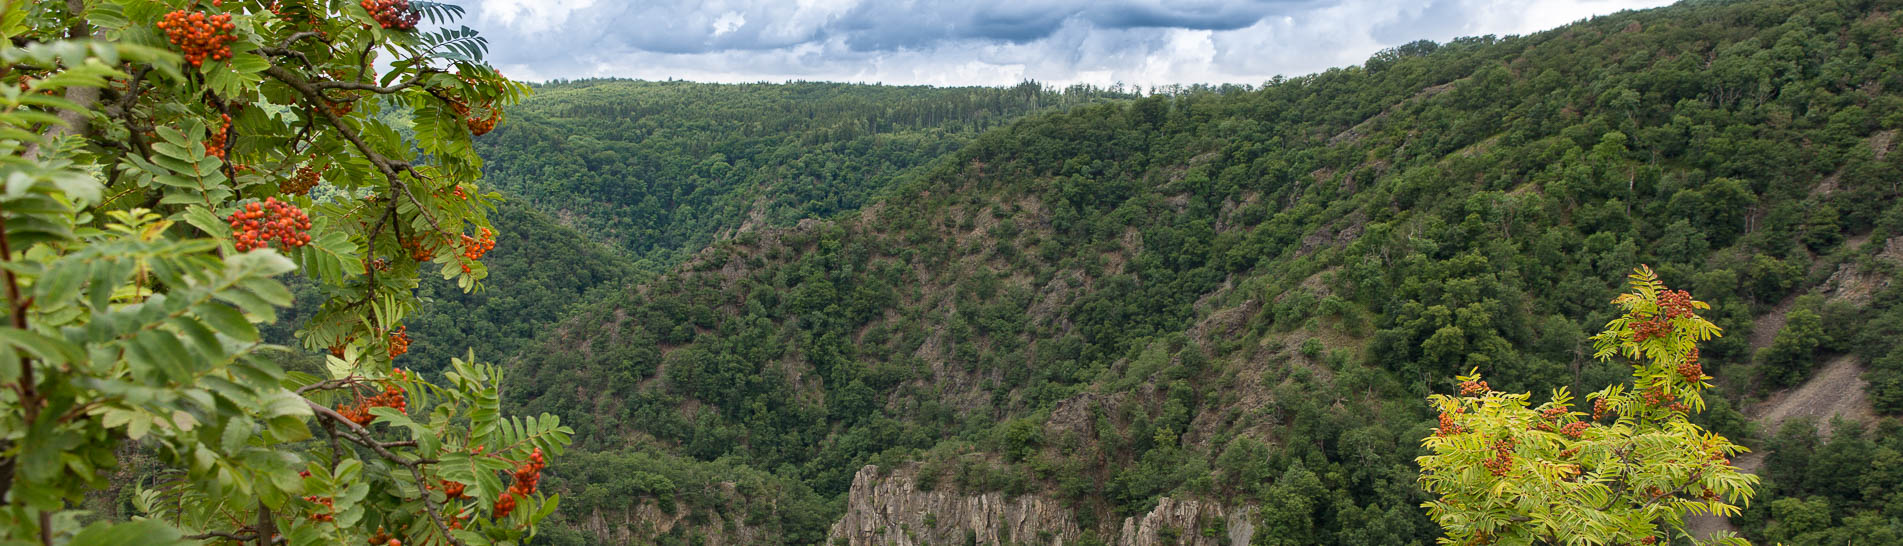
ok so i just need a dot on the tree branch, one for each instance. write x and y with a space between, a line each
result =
208 535
28 386
380 90
362 436
316 99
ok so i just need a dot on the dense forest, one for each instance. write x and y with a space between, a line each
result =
660 169
1236 294
651 198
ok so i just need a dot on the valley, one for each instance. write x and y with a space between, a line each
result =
1099 308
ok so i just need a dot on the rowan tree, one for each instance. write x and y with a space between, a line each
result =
164 162
1628 469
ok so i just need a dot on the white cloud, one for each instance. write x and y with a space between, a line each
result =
729 22
986 42
530 16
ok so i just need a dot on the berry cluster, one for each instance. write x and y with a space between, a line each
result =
399 342
526 476
200 36
1690 369
1648 329
296 9
453 490
215 146
1473 388
477 125
1659 397
482 126
1447 426
1575 429
302 182
391 397
474 248
418 252
260 224
342 108
1554 412
329 508
504 505
1600 408
1502 461
1677 304
393 14
382 538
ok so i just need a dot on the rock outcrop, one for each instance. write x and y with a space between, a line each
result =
889 509
645 523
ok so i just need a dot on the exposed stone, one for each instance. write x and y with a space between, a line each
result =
890 509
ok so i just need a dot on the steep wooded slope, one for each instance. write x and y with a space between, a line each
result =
661 168
1243 294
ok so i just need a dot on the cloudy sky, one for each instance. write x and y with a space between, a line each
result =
984 42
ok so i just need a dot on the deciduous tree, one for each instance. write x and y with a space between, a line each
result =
1628 470
164 162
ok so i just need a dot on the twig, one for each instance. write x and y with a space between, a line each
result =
208 535
362 436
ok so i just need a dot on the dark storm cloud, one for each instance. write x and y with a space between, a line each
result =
875 26
1191 15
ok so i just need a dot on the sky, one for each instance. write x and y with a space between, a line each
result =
984 42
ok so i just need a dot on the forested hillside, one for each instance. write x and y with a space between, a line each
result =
609 181
1239 295
661 168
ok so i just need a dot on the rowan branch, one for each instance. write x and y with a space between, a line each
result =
208 535
362 436
316 98
296 37
378 89
389 167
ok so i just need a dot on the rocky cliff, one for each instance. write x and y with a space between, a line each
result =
647 523
888 508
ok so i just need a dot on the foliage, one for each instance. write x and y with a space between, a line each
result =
660 169
1840 485
135 177
1508 472
1139 277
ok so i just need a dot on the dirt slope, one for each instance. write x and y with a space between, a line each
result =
1837 389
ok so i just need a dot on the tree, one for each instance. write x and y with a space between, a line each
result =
163 165
1790 357
1509 473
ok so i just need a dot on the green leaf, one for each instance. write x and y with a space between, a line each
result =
246 63
283 403
287 429
203 219
237 432
227 320
46 348
107 533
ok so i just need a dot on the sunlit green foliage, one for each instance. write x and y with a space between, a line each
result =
1508 472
